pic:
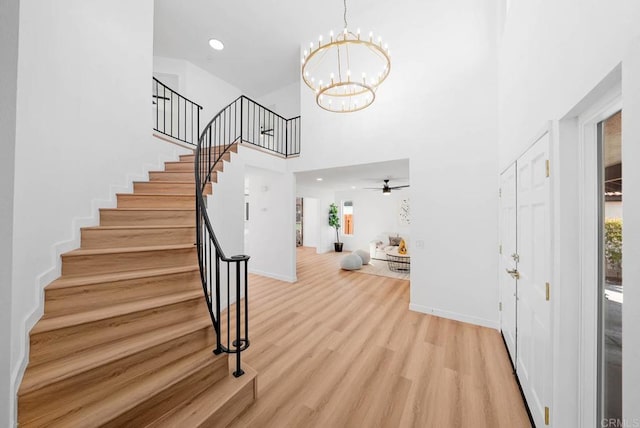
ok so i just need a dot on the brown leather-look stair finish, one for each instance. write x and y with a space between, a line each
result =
126 339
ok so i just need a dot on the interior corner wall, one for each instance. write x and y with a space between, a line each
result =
284 101
83 132
546 84
9 23
200 86
437 108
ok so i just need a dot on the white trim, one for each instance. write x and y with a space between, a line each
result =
494 324
609 104
279 277
170 139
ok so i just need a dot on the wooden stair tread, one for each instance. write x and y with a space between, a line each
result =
166 182
94 251
43 375
79 280
194 413
57 322
134 227
180 195
147 209
139 391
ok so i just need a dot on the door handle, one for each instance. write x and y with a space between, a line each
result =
514 273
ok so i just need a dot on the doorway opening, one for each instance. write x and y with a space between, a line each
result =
299 221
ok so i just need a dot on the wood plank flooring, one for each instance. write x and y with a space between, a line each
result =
340 349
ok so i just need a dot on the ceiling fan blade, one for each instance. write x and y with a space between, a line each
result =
372 188
399 187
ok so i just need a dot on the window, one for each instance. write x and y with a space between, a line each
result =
347 218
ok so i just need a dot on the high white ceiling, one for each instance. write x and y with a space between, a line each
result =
356 177
262 38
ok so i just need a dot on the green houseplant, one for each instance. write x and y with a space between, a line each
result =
334 221
613 246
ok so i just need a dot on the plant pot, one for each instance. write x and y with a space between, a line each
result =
338 246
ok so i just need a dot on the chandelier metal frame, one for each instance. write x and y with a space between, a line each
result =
340 86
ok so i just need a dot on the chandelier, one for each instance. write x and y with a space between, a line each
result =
345 72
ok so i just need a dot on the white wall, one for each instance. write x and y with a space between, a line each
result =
200 86
613 209
310 222
553 54
285 101
83 132
374 214
9 23
271 225
269 235
439 109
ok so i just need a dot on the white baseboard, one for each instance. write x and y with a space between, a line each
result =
455 316
274 275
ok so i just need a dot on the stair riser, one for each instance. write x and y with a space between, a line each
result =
191 158
156 201
147 218
171 176
94 296
171 188
54 344
179 166
161 403
123 262
47 404
120 238
232 408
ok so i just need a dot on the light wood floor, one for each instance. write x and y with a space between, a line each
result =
340 349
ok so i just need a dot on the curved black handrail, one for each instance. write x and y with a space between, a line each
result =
241 121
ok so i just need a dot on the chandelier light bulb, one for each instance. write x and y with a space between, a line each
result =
371 36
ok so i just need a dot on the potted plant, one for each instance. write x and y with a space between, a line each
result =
334 221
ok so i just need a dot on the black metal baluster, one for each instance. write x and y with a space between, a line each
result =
218 332
238 343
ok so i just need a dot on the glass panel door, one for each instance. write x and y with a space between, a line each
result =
611 288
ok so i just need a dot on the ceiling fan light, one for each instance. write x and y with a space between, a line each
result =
386 191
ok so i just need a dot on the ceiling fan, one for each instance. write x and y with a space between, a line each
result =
386 189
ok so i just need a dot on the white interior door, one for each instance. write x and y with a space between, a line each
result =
534 310
508 260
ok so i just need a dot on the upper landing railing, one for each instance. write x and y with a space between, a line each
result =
174 115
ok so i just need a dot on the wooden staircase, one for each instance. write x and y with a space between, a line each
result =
126 339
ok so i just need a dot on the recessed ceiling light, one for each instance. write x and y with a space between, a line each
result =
318 179
353 187
216 44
